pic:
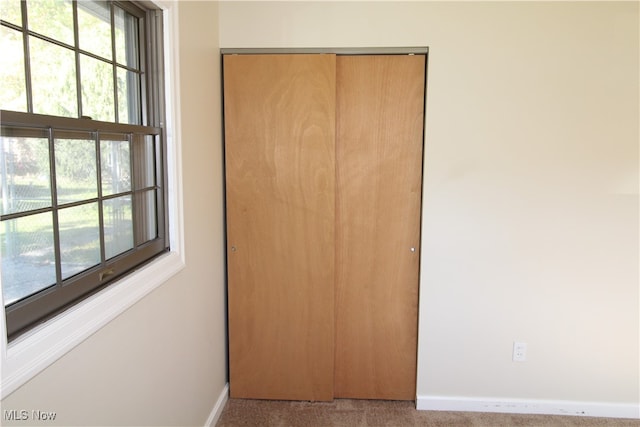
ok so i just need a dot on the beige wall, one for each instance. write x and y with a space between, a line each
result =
530 225
162 362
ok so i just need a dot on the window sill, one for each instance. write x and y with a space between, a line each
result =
37 349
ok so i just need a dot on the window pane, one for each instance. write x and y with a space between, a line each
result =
76 171
52 18
28 259
129 106
24 172
10 11
126 26
79 238
115 162
97 89
53 79
146 216
13 95
145 164
118 226
94 27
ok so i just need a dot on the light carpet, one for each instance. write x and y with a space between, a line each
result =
365 413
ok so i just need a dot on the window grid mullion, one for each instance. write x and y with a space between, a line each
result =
76 50
68 46
54 206
143 59
134 189
161 185
27 56
103 250
113 61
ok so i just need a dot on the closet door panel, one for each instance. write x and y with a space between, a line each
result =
380 101
280 183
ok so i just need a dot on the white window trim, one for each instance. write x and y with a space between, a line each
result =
31 353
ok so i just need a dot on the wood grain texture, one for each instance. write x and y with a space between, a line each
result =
280 176
380 102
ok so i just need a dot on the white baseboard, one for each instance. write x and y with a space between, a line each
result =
524 406
214 416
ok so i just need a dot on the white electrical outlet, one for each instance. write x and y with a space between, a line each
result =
519 351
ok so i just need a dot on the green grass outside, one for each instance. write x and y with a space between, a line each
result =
34 234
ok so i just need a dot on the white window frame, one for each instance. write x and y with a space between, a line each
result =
35 350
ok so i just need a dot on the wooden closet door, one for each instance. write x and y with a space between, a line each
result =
380 101
280 176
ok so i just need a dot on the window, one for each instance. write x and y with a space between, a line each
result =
82 151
